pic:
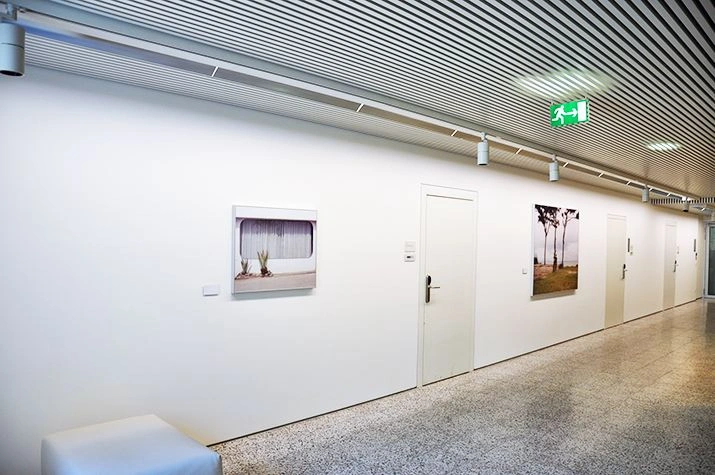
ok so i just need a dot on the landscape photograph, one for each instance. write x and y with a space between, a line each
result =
555 237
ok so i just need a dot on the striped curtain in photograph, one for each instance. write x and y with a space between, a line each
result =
282 239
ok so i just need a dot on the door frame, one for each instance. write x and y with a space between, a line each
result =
446 192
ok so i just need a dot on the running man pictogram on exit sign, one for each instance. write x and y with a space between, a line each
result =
569 113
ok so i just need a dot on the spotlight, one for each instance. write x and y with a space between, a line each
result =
483 152
645 197
686 205
554 170
12 49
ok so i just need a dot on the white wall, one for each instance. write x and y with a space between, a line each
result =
115 204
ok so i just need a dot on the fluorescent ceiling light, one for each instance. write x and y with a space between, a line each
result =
662 146
566 84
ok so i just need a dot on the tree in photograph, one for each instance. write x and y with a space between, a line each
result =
554 218
545 220
566 216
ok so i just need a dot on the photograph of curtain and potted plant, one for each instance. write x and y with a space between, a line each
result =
274 249
555 237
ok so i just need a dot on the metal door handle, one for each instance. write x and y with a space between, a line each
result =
675 266
624 272
428 288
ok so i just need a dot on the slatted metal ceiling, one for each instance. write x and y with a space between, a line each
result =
465 60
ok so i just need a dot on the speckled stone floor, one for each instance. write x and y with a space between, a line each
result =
634 399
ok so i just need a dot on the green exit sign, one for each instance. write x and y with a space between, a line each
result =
569 113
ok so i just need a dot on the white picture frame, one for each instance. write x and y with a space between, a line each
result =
274 249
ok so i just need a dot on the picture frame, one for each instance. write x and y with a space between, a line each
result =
274 249
555 232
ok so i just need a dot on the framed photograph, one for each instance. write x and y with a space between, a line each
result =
273 249
555 238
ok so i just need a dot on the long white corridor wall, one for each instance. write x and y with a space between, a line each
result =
115 204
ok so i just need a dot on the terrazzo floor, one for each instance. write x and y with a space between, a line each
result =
634 399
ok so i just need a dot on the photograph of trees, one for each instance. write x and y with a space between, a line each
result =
555 249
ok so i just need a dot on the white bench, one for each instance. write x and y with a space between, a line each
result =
137 445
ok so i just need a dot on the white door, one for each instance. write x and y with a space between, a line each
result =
448 286
670 267
615 269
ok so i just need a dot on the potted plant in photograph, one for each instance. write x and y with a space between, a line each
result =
263 261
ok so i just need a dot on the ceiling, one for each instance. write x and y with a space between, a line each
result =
647 68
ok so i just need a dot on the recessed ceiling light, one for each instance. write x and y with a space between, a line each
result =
662 146
567 84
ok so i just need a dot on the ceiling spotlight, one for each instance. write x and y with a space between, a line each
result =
483 151
686 205
12 49
662 146
645 196
554 170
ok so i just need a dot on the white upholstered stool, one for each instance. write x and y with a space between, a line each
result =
138 445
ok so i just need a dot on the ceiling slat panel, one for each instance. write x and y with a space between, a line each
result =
641 64
677 65
693 9
645 106
687 32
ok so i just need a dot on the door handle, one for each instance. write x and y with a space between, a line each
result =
675 266
624 272
428 288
